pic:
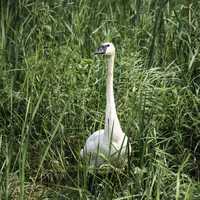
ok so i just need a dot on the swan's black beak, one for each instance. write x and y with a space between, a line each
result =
100 50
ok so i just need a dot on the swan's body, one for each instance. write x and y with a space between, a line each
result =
110 142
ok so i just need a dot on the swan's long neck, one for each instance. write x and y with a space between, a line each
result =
112 125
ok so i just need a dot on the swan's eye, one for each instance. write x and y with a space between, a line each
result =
107 45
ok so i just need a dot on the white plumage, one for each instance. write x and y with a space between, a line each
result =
109 143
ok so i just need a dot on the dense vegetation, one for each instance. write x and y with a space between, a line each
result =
52 96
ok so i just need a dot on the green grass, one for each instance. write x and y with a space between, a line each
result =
52 96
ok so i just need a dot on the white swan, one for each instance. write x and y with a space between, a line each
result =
110 142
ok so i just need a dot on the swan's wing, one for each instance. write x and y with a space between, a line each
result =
92 143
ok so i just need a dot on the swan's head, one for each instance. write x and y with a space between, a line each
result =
107 49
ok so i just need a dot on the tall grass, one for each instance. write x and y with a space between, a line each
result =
53 96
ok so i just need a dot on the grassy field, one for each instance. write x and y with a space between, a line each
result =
52 97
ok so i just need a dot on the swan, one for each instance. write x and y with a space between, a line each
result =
111 142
